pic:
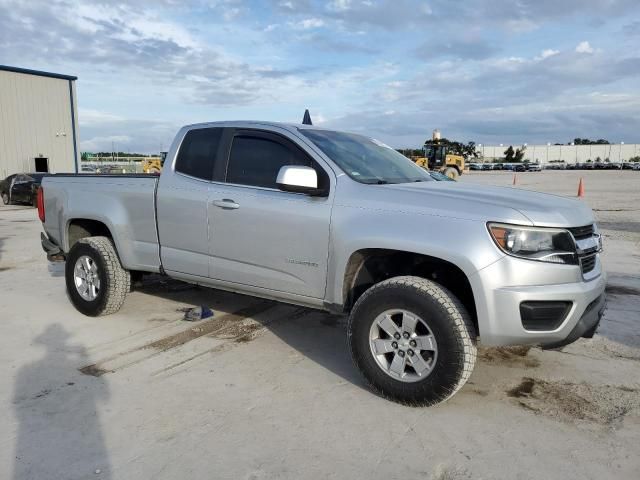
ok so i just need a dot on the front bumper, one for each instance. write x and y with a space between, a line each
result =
500 289
587 325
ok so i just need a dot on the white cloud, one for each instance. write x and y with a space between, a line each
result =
341 5
584 47
231 14
118 142
308 23
522 25
319 119
87 117
549 52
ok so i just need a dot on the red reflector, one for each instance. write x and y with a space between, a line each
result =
40 202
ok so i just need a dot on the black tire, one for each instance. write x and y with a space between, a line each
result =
449 323
5 198
115 281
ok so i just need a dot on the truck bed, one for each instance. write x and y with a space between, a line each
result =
124 204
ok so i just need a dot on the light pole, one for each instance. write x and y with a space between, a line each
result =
620 154
547 156
560 152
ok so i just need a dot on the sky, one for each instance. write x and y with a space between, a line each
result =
489 71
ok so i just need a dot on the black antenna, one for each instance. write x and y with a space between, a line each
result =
306 120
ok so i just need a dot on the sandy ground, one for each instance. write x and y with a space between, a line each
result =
264 390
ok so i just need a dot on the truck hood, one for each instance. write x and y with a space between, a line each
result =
487 203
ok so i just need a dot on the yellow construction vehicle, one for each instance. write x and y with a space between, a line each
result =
437 158
154 164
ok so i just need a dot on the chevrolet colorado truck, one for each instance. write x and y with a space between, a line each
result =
343 223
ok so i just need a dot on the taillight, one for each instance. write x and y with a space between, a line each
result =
40 203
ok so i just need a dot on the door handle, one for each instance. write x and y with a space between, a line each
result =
226 203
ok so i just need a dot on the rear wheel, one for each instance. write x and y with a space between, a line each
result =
5 198
412 340
96 282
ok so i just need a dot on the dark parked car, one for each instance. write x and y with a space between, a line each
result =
519 168
21 188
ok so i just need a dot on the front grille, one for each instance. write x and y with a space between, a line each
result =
580 233
588 263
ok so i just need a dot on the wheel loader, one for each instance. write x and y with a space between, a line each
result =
437 158
154 165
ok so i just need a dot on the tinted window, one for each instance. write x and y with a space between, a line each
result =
198 151
256 161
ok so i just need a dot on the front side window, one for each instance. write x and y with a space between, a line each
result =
366 160
198 152
256 161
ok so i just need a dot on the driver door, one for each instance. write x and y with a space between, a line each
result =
262 236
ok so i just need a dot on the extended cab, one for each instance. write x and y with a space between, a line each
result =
339 222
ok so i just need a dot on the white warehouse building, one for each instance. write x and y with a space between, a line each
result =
543 154
38 122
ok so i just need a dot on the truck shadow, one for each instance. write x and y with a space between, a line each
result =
317 335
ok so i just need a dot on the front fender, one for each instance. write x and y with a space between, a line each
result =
464 243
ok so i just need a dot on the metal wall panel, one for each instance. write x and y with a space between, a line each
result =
35 120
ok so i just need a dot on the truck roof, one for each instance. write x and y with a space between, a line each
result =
262 123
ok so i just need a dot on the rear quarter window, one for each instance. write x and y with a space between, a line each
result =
198 153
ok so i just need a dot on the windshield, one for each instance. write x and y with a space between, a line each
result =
366 160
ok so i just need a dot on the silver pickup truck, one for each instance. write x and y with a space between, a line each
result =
339 222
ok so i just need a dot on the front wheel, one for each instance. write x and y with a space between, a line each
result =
452 173
96 282
5 198
412 340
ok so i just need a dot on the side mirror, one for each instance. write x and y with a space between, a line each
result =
298 179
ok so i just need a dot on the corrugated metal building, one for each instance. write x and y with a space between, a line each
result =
543 154
38 122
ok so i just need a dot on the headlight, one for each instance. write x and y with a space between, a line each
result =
553 245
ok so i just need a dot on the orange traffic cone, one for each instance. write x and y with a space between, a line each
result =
581 188
514 179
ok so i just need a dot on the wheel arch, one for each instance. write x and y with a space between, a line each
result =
369 266
79 228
